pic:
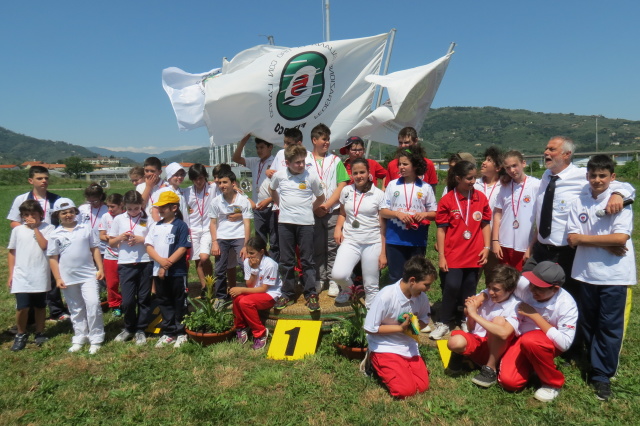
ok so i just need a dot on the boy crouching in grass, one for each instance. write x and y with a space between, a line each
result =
394 354
493 320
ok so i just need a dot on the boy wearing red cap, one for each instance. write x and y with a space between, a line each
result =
354 147
548 316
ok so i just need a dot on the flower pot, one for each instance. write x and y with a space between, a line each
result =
352 353
104 306
206 339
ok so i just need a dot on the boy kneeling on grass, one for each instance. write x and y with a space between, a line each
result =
492 317
394 353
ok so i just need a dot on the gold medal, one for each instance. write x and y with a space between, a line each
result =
302 186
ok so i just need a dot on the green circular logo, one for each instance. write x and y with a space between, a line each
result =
301 85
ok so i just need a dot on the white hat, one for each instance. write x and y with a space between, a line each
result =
63 204
172 169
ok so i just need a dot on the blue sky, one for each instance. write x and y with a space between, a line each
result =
89 73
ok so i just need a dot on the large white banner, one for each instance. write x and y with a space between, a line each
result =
411 93
264 93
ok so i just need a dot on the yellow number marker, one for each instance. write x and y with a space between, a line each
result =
293 339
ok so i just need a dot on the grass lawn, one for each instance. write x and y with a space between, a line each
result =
231 384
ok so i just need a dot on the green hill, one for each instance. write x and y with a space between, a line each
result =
17 148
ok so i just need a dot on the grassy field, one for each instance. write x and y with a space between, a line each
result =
230 384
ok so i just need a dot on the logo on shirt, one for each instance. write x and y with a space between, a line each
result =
477 216
170 239
527 199
569 326
583 217
143 222
395 194
419 195
62 244
237 209
303 185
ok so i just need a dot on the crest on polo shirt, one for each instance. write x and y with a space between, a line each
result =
477 216
527 199
583 217
419 195
456 213
395 194
169 239
62 244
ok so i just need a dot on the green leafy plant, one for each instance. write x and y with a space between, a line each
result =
206 319
350 331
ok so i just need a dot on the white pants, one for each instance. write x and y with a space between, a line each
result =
349 253
86 314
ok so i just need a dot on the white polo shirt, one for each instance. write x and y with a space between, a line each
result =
560 311
110 253
153 197
199 204
139 226
74 248
267 275
517 198
221 208
14 212
258 169
388 304
297 193
595 265
279 163
491 192
31 273
368 206
490 310
92 217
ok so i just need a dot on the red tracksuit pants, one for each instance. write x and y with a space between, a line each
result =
112 279
402 376
245 310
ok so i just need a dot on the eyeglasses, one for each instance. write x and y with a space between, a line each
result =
357 150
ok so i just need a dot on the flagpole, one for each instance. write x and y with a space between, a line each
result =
385 68
327 25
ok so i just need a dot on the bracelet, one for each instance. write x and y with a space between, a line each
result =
487 248
495 240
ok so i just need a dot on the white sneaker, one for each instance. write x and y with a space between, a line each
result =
141 339
334 290
180 340
75 347
464 327
93 349
546 394
427 329
439 332
343 297
162 341
318 287
123 336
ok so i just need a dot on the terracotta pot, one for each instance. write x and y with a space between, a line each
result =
104 306
206 339
352 353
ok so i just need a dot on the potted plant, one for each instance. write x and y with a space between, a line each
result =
348 334
206 325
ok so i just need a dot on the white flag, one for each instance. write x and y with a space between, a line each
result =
295 87
411 93
186 93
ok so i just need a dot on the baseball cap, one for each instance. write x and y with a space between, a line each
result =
545 274
63 204
172 169
466 156
348 143
167 197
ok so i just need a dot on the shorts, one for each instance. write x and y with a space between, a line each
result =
200 243
477 349
31 300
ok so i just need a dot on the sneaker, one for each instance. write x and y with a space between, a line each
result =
546 394
427 329
123 336
75 347
260 342
603 390
242 335
365 365
40 339
162 341
454 368
218 304
342 298
334 289
117 312
180 340
319 287
20 342
140 338
283 302
312 303
464 327
486 378
93 349
439 331
64 317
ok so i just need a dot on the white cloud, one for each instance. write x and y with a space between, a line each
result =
151 149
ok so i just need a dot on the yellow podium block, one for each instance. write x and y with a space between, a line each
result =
445 352
294 339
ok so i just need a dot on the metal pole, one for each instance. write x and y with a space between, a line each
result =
211 148
385 68
327 25
596 134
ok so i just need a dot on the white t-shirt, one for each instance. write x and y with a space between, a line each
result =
199 204
110 253
512 197
491 192
279 163
560 311
489 310
327 170
258 169
296 196
92 217
139 226
388 304
267 275
264 192
14 213
74 247
220 209
368 206
31 273
153 197
595 265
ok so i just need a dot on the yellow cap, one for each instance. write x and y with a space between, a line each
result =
167 197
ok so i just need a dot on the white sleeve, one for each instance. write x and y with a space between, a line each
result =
12 239
375 315
430 200
14 213
94 239
115 229
247 211
624 188
573 224
52 247
622 222
563 334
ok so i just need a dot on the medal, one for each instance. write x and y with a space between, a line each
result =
516 208
516 224
466 234
355 224
302 186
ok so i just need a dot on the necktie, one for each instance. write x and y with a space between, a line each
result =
547 208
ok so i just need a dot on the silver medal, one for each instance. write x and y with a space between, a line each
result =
355 224
466 234
516 224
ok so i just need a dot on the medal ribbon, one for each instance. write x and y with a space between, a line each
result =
44 214
91 220
321 170
516 209
200 209
260 167
132 225
355 196
466 217
492 189
406 201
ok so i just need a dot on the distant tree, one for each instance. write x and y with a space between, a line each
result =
535 166
75 166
